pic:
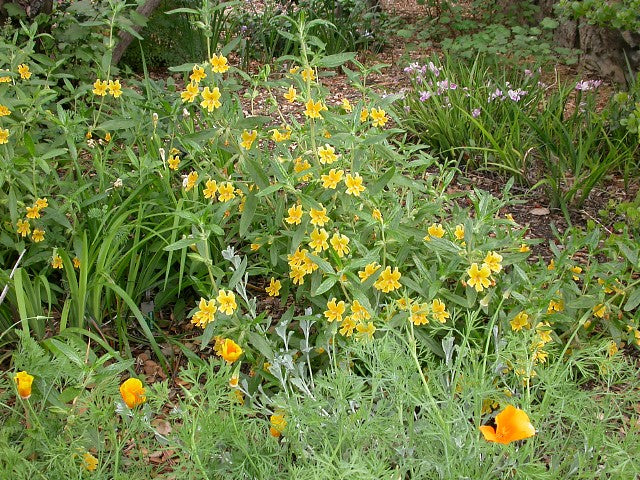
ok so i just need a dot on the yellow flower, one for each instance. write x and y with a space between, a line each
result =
297 275
332 179
226 192
76 262
419 314
576 271
347 326
274 287
301 165
230 350
369 270
173 162
378 117
219 63
107 137
479 277
308 75
33 212
115 88
211 98
544 334
190 93
254 246
23 228
297 258
190 181
313 109
4 111
364 114
295 215
404 303
24 72
248 137
227 301
555 306
434 230
493 260
38 235
520 321
211 187
359 312
100 87
319 217
291 94
552 265
276 136
89 462
524 248
439 310
56 262
388 280
4 136
600 311
197 74
340 244
294 70
133 393
23 381
459 232
4 79
346 105
319 240
205 314
612 349
334 310
377 216
42 203
365 331
354 184
278 423
327 154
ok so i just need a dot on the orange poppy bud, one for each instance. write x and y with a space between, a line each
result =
23 381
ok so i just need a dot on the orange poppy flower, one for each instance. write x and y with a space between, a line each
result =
511 424
132 392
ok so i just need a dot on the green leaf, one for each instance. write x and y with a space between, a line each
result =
633 301
260 344
332 61
325 286
382 181
247 214
182 243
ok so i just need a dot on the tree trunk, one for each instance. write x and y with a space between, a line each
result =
605 51
126 38
31 7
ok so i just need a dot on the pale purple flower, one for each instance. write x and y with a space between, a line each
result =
586 85
475 113
434 69
496 94
516 95
425 95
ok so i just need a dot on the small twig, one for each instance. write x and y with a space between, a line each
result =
5 290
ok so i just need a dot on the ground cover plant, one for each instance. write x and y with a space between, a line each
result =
313 297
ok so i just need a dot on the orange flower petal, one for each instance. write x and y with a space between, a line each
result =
512 424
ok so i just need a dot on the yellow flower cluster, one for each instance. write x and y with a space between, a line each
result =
480 277
33 212
225 302
356 321
101 87
419 312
